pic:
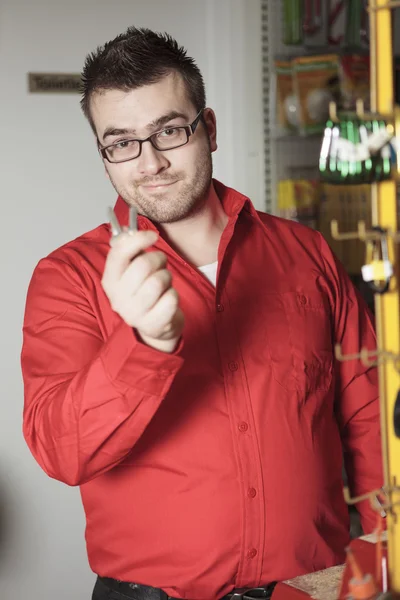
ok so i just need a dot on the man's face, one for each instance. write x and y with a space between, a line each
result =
165 186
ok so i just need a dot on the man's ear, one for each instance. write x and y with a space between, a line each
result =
210 122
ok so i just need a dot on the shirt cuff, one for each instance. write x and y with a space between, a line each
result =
129 363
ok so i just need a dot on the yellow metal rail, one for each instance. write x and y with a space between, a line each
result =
384 214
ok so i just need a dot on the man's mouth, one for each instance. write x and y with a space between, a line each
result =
160 185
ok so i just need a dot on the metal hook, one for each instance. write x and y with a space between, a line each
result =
373 497
360 109
363 355
333 112
361 234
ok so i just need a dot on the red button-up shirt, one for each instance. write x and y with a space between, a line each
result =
218 466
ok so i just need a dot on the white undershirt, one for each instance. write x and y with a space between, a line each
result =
210 271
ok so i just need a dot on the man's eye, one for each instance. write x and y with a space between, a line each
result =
169 132
123 144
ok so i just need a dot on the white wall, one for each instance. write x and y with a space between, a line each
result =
52 188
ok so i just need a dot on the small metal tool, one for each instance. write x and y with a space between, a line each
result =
116 228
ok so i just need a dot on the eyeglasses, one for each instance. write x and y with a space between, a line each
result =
165 139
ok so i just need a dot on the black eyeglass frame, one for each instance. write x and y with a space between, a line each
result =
189 130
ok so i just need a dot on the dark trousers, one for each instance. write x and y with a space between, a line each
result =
102 591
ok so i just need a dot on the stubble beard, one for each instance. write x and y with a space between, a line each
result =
165 207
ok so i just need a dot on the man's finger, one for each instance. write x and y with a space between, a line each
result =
123 250
142 267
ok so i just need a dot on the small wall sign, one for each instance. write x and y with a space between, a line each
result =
54 83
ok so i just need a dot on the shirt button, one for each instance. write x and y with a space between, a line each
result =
252 553
233 366
220 307
302 300
243 426
251 493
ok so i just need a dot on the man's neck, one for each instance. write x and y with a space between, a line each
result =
197 238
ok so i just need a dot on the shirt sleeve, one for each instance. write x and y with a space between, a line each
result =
357 397
88 396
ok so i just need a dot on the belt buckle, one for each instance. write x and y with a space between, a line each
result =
259 592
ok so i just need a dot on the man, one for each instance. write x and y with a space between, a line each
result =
185 378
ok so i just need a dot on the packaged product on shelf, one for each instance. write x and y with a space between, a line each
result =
298 200
316 24
316 84
355 151
292 22
287 104
354 78
356 34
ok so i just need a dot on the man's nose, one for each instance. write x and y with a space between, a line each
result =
151 161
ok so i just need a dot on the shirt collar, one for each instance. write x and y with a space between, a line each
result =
232 201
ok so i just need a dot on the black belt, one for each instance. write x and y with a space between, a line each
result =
137 591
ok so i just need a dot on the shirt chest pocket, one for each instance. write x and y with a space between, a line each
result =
299 340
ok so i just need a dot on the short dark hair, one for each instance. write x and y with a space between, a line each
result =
135 58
